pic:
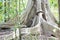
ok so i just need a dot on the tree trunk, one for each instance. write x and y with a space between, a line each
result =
36 23
59 11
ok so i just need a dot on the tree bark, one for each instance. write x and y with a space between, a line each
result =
59 11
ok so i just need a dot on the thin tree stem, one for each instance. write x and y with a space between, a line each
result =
59 10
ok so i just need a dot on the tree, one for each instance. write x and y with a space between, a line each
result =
42 7
59 11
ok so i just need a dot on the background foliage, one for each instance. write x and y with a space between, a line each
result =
54 8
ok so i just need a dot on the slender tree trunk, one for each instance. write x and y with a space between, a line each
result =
59 11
